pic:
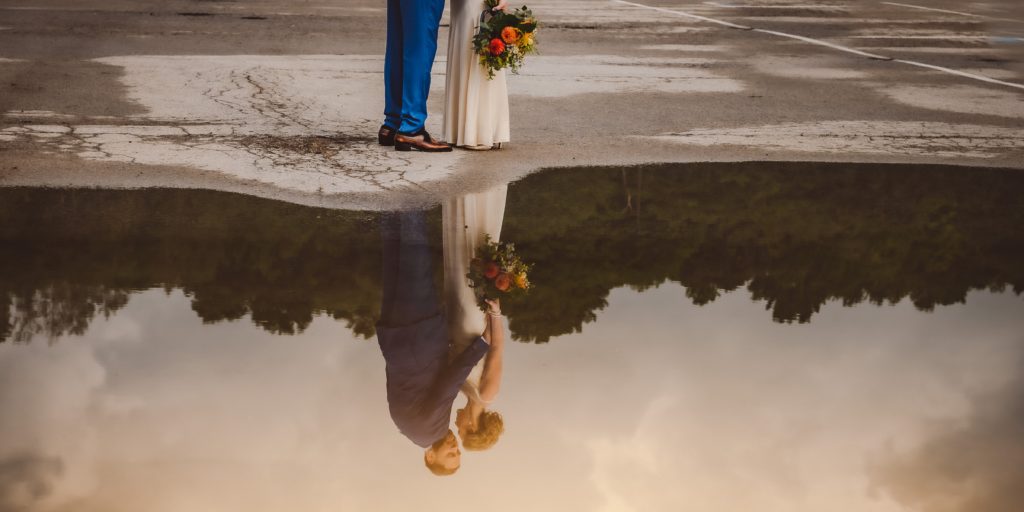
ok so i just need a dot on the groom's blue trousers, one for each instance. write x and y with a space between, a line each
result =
411 47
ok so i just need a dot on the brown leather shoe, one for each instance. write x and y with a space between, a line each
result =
386 135
421 141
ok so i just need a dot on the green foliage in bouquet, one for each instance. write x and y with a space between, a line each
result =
505 38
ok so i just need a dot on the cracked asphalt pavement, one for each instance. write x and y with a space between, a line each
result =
282 99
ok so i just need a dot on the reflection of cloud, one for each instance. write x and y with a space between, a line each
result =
27 479
972 466
712 408
622 467
153 410
47 446
659 406
119 329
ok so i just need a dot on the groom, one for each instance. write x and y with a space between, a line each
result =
411 46
413 337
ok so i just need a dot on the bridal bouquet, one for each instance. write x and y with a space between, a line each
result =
505 38
496 271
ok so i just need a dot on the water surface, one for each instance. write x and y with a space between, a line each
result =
713 337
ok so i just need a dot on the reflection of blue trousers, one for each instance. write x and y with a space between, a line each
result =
409 293
411 47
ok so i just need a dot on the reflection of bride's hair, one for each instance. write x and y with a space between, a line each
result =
489 428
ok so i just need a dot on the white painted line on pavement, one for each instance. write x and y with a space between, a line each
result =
755 6
686 15
955 50
960 73
923 8
819 42
34 8
979 37
830 45
942 37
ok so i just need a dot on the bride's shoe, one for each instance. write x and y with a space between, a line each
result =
496 145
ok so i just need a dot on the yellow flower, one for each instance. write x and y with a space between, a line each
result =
521 281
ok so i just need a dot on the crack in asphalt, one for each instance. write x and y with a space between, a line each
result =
325 156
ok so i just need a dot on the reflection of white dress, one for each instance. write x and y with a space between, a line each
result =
465 220
475 108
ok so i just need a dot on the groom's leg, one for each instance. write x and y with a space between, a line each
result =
420 20
408 289
393 66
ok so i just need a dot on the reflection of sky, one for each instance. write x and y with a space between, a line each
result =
659 405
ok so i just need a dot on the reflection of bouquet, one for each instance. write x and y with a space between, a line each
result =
504 39
496 271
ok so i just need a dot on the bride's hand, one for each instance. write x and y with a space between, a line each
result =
493 307
502 4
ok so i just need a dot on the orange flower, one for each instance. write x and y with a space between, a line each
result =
510 35
496 47
490 270
503 282
521 281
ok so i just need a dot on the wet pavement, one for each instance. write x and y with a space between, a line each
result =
823 336
281 99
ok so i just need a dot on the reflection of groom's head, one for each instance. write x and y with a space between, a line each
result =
443 457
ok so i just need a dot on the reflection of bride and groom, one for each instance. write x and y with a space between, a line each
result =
434 352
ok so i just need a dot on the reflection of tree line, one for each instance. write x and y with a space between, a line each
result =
66 256
796 235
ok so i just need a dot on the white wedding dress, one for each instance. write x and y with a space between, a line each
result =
465 220
475 108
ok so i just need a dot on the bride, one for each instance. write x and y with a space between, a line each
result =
466 221
475 108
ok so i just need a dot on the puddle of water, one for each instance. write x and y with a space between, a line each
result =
828 336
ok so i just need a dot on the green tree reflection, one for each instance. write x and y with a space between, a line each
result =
68 255
796 236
